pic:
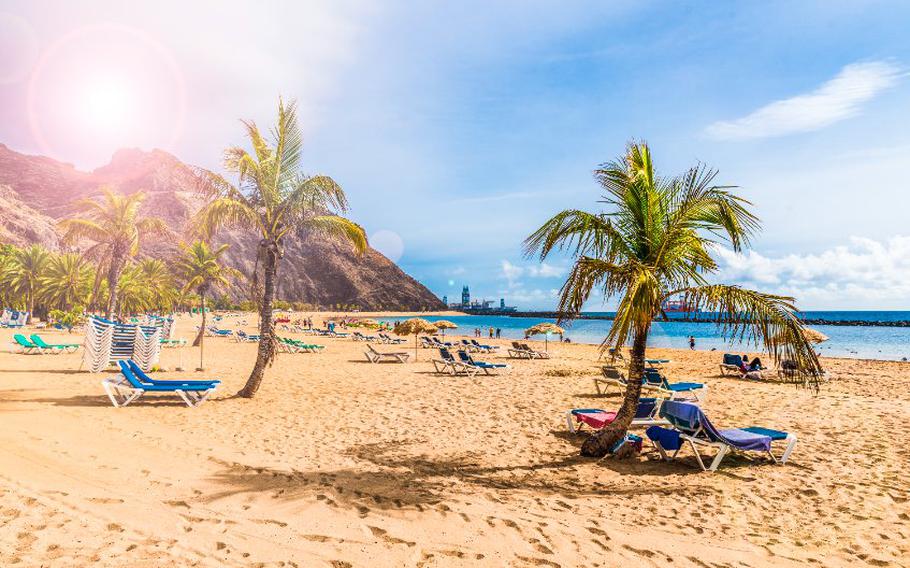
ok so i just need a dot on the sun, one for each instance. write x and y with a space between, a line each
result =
105 105
101 88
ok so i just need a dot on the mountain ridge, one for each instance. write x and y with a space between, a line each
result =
37 191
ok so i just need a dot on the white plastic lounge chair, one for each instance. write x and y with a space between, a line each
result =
374 356
692 425
611 376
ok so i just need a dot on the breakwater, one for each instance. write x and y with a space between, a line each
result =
697 319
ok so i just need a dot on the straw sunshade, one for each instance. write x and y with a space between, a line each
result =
367 322
813 335
444 325
414 326
545 328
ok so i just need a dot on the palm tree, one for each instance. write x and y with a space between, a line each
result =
24 272
272 199
201 270
114 225
654 242
159 281
133 292
67 281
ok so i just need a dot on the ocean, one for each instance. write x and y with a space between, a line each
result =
860 342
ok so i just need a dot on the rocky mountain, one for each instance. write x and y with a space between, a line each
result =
36 191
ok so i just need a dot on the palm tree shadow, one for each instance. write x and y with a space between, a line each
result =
403 481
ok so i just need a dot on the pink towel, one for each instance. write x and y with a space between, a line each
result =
596 419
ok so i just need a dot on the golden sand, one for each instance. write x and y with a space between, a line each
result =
338 462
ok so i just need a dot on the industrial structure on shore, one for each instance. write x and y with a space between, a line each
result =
479 306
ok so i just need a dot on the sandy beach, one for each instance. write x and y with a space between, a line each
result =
338 462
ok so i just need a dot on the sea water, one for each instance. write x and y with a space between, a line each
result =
861 342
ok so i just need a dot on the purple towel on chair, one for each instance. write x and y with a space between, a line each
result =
688 417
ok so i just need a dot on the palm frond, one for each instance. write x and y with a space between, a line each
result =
767 320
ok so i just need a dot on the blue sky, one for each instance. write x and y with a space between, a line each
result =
458 129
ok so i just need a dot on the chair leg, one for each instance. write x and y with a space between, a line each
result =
791 445
719 457
570 422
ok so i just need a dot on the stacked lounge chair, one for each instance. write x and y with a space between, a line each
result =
691 425
386 338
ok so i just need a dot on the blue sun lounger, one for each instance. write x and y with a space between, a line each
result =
655 381
469 362
691 425
126 388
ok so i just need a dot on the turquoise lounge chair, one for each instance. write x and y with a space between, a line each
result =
25 346
126 388
68 347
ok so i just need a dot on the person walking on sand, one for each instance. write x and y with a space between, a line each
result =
692 342
491 332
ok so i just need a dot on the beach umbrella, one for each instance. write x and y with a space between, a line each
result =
444 325
545 328
813 335
367 322
414 326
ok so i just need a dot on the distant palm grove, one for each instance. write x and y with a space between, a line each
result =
60 284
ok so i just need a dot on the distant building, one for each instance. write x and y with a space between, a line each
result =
479 307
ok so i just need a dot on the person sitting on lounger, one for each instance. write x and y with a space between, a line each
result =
751 370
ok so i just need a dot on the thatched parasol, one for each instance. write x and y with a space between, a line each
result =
545 328
444 325
813 335
414 326
367 322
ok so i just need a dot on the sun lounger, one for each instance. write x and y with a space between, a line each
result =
519 352
173 342
64 347
654 381
469 362
616 354
692 425
437 343
645 415
23 345
611 376
386 338
447 363
294 346
484 348
535 354
374 356
126 388
243 337
732 363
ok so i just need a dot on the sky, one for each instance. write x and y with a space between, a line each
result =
457 129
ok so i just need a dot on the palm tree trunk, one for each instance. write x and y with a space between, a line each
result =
199 337
601 442
266 350
113 277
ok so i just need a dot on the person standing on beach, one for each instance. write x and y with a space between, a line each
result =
498 332
491 332
692 342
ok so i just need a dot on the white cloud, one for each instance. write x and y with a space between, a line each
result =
864 274
833 101
513 273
